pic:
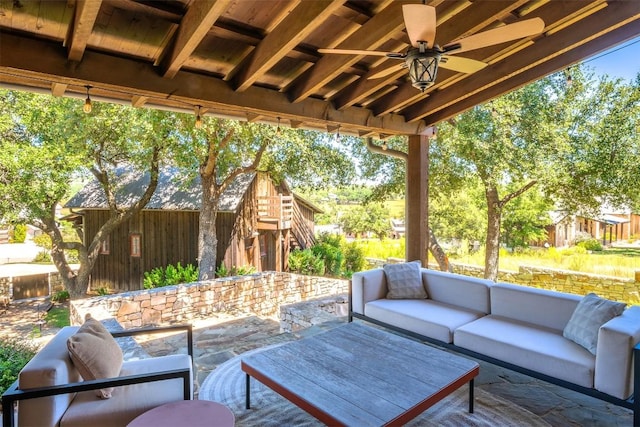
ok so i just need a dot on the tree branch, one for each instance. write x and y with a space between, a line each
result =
515 194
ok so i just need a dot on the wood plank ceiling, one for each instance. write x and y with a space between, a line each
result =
257 60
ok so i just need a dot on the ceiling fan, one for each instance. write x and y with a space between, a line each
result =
424 57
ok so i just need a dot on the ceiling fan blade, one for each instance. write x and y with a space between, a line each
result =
461 65
387 71
356 52
420 22
499 35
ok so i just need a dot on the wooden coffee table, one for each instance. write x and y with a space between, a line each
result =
361 376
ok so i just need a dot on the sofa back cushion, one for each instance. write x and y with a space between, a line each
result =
532 305
50 366
455 289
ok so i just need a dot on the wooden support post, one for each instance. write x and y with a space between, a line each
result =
416 202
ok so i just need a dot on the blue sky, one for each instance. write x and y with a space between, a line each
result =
621 61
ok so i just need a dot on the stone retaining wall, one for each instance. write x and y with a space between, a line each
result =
261 293
302 315
572 282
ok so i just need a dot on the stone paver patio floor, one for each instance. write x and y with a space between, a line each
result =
223 336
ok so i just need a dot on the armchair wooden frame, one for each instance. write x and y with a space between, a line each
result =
14 395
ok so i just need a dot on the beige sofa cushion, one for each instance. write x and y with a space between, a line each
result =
129 401
95 354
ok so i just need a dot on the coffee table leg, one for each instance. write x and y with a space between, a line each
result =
248 391
471 396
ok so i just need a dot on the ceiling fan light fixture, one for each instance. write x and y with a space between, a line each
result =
422 70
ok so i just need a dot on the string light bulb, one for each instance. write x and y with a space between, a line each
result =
569 78
384 146
278 131
87 103
338 133
198 123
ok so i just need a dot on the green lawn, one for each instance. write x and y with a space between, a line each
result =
618 262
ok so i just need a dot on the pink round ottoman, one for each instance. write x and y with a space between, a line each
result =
193 413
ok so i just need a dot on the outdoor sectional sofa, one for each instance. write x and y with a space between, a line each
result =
518 327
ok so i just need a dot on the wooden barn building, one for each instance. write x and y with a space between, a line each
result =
259 222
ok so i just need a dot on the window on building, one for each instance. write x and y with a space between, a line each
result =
135 245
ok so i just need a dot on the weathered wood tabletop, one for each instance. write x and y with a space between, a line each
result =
361 376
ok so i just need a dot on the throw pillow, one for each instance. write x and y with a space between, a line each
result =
95 353
404 281
591 313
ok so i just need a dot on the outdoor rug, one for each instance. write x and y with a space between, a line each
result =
226 384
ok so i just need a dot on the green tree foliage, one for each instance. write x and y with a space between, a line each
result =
525 219
47 142
370 218
598 152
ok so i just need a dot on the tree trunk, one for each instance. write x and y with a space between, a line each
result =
207 237
494 215
438 253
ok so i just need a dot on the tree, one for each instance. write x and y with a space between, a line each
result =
221 150
525 219
389 175
506 145
598 152
372 217
48 142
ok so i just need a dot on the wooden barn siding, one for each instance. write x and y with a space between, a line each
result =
242 224
166 238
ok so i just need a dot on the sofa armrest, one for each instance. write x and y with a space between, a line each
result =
159 329
13 394
367 286
617 340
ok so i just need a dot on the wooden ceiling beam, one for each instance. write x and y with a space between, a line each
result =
479 15
58 89
291 31
371 35
84 18
615 15
558 63
552 13
44 61
195 25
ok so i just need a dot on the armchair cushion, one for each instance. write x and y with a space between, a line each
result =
95 354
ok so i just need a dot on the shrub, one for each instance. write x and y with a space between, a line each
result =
102 291
222 271
60 296
170 275
354 259
19 233
244 270
306 262
43 240
43 257
72 256
14 354
590 245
